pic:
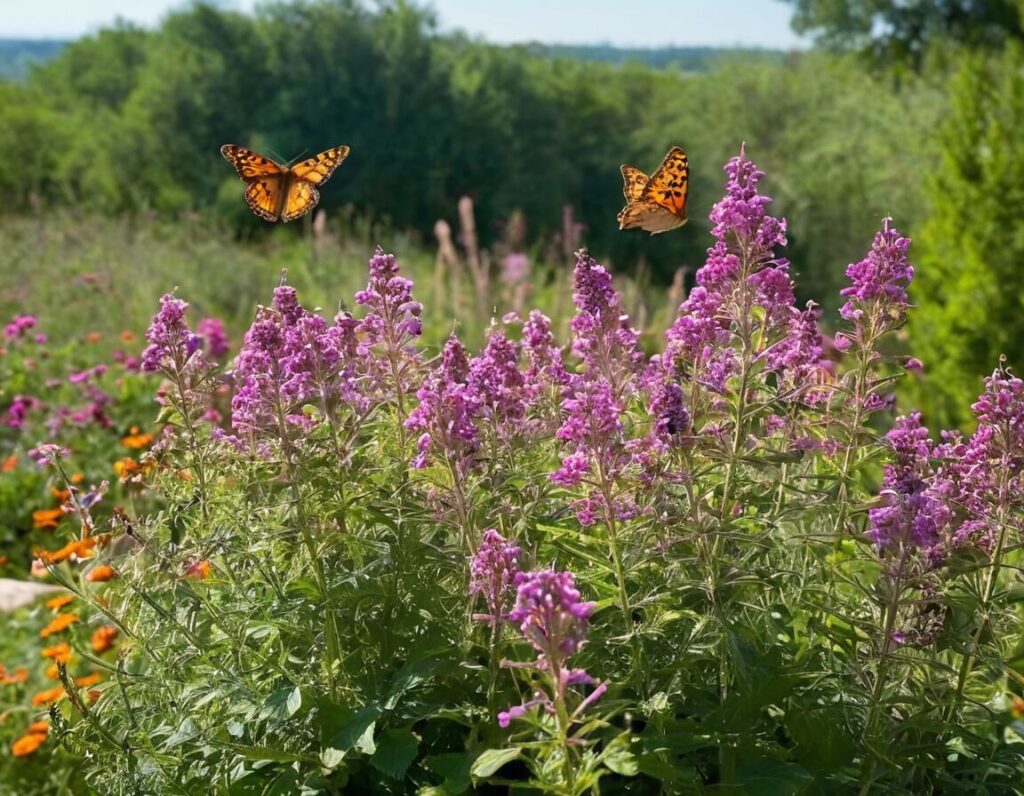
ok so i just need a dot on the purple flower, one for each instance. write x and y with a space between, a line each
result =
291 357
216 339
390 327
17 412
515 267
546 367
915 514
881 277
495 380
550 613
48 453
167 336
602 336
553 617
19 325
492 572
447 410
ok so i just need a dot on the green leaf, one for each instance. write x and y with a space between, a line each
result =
396 749
282 703
453 767
491 760
773 778
357 733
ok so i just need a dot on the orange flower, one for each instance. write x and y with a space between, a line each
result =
60 494
39 728
77 478
3 560
127 468
48 696
27 744
199 570
47 518
103 638
1017 708
53 672
9 463
58 624
19 675
136 441
60 653
82 548
127 337
93 337
94 695
89 680
59 602
100 574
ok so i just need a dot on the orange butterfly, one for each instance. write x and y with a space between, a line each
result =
277 192
656 204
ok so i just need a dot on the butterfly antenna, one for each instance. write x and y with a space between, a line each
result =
297 159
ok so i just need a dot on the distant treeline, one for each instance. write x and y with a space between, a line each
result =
689 59
129 120
17 56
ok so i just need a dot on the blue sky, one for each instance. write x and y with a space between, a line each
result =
647 23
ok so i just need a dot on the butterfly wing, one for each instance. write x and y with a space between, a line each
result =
319 168
649 216
668 185
263 177
302 197
633 182
263 195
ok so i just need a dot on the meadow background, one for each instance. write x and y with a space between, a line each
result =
485 168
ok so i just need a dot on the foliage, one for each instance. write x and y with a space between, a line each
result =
974 238
556 563
431 118
900 31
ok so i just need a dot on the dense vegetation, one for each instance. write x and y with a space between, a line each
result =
337 564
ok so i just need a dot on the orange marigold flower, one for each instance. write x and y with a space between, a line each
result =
9 463
52 672
77 478
39 728
199 570
61 653
47 518
136 440
93 337
27 744
100 574
89 680
3 560
19 675
48 696
57 603
127 336
94 695
103 638
81 548
58 624
1017 708
60 494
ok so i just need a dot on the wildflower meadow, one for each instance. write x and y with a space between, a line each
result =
337 557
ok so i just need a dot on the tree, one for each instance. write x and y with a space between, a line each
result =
971 260
901 30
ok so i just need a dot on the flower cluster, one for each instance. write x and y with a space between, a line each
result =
171 342
492 572
552 616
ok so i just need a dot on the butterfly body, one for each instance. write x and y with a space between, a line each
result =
656 203
275 192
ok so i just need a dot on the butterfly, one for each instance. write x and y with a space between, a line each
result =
280 192
658 203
